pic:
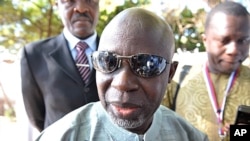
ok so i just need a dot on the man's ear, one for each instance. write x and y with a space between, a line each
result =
173 68
204 39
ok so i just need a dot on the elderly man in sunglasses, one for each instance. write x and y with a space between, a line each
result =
134 66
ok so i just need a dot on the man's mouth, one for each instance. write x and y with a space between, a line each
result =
125 110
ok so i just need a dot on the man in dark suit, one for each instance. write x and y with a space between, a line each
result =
51 82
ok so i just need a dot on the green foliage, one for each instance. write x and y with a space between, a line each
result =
10 113
105 17
25 21
188 28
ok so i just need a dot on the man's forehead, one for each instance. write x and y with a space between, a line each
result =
221 22
129 40
127 33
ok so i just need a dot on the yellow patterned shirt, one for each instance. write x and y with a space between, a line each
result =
193 102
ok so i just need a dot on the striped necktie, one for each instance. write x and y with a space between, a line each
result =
82 60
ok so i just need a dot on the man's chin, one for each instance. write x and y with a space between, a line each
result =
228 70
127 124
83 33
230 67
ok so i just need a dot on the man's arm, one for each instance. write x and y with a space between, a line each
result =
32 96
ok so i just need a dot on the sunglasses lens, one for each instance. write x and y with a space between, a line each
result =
105 62
146 65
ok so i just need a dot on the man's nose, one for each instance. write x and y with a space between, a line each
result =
124 79
232 48
81 6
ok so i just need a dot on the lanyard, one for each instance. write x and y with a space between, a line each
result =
219 111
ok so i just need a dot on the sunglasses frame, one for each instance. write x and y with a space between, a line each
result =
119 59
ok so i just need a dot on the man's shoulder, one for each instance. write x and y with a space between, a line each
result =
175 123
68 126
245 72
243 80
166 113
43 42
186 72
83 114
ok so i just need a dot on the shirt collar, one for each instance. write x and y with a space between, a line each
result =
72 40
151 133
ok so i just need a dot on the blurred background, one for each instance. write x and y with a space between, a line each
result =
24 21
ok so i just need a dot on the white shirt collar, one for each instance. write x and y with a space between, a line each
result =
72 40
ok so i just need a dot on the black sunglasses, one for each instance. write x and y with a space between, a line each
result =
144 65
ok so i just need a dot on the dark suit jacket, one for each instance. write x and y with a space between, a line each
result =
51 83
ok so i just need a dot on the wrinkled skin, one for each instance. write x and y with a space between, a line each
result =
80 17
227 42
129 99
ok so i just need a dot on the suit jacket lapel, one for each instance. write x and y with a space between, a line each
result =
62 57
